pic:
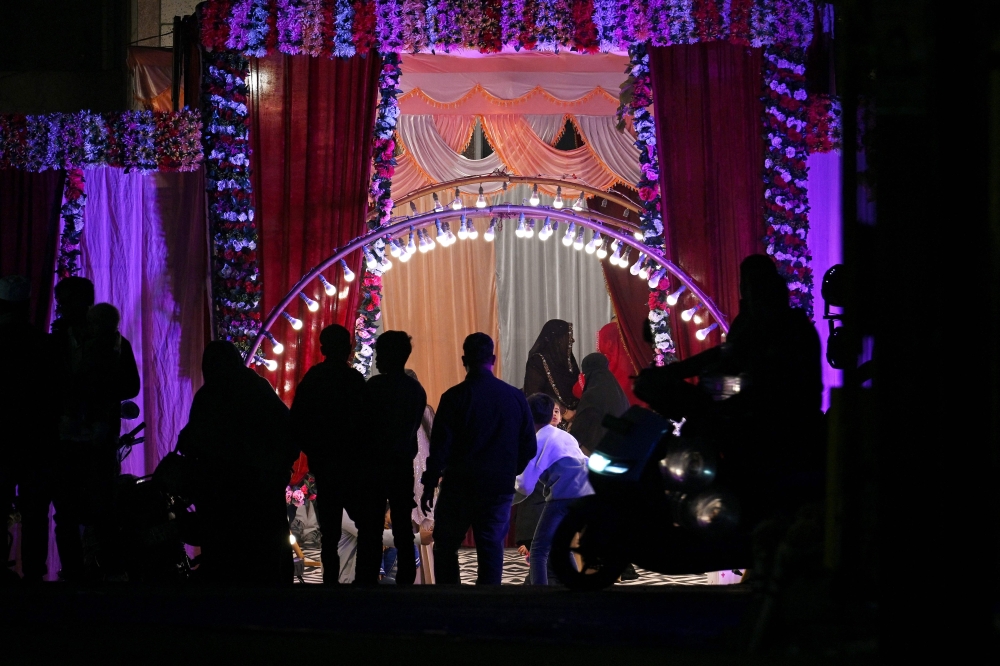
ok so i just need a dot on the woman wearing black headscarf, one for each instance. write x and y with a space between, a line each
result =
602 394
551 368
238 435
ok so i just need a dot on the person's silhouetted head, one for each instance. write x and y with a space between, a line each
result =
542 408
74 296
478 352
104 318
221 362
760 284
15 294
392 349
335 342
593 362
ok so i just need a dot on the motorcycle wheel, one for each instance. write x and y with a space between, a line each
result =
583 563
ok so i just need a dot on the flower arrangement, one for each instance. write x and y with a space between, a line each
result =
824 130
235 288
637 98
488 26
786 200
74 199
380 193
302 492
131 140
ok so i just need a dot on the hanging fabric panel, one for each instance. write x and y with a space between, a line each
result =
615 149
456 131
548 128
432 155
439 298
708 112
313 121
542 280
144 249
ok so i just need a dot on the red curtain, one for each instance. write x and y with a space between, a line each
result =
29 232
313 121
708 128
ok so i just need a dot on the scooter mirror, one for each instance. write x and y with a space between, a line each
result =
130 410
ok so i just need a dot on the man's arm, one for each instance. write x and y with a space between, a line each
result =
128 373
527 443
442 434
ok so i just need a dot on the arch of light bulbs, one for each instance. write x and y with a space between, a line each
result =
416 230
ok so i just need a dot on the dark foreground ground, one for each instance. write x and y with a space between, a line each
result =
422 625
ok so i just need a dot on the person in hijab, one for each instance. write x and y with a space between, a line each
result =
611 344
560 469
602 395
551 367
238 434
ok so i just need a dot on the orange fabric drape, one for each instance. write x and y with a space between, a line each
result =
524 153
456 130
152 77
439 298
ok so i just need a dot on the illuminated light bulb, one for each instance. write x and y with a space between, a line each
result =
470 228
424 247
578 243
534 196
481 201
276 346
430 241
491 231
413 208
644 272
463 231
438 208
370 260
546 230
602 251
394 249
623 262
570 231
405 257
529 229
595 243
591 246
689 314
343 292
703 332
654 279
270 364
520 231
457 203
411 247
447 234
637 234
698 320
311 305
348 273
673 298
327 287
296 323
558 202
637 265
386 265
291 539
442 237
616 256
579 204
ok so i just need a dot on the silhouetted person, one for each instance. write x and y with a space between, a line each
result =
398 401
769 430
331 421
602 395
238 432
27 422
483 436
92 379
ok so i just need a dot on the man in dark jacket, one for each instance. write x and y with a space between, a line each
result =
483 437
329 417
399 401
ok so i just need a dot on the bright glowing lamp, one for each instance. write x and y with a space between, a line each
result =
327 287
438 208
311 305
491 231
579 204
558 202
570 231
578 243
457 203
689 314
296 323
637 265
674 297
481 201
270 364
654 279
276 346
703 332
534 196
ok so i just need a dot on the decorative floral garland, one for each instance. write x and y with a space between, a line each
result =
786 198
380 194
341 28
235 289
132 140
824 129
637 98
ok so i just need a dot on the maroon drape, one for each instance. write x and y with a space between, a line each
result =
313 121
29 232
708 128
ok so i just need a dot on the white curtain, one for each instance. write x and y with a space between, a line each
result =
542 280
616 149
547 127
436 158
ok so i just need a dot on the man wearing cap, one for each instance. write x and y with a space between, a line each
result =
28 422
483 437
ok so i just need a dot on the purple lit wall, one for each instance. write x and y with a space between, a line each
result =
825 244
